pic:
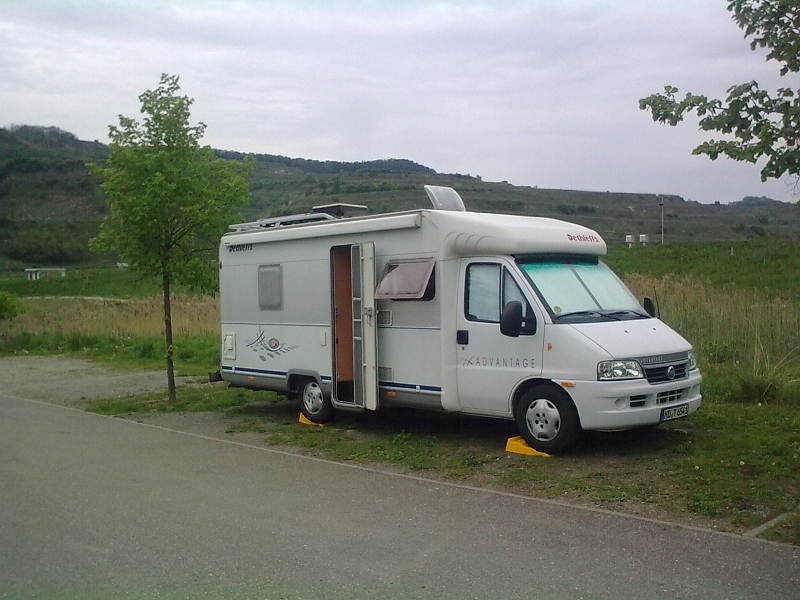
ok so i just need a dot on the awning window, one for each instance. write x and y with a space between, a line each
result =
410 279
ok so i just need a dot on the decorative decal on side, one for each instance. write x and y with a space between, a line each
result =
513 362
582 237
240 248
272 347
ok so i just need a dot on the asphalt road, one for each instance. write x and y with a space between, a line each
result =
96 507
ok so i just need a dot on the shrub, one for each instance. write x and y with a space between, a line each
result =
720 353
9 306
75 341
145 350
754 387
185 353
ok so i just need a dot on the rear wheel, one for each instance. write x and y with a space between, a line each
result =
315 406
547 420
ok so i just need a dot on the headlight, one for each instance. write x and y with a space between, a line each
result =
692 360
619 369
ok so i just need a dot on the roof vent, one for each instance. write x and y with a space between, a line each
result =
444 198
340 209
275 222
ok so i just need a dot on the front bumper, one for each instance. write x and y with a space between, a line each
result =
634 403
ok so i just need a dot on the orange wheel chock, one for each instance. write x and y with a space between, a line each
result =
518 446
305 421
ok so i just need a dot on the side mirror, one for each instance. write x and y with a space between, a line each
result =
649 306
529 325
511 319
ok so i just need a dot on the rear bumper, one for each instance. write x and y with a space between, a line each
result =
628 404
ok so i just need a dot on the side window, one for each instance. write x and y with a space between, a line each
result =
482 293
270 287
489 287
410 279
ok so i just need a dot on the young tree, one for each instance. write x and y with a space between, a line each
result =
170 198
756 123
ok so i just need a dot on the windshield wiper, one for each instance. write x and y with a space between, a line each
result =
623 312
587 313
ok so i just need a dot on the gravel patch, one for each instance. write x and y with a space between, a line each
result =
68 381
72 382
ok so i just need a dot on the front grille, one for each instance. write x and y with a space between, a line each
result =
670 396
666 373
638 401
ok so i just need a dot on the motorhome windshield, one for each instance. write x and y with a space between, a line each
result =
581 290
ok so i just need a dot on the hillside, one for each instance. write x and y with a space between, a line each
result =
50 205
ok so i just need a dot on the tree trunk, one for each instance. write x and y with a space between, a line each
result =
168 338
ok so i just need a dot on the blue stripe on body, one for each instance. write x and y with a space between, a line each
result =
263 372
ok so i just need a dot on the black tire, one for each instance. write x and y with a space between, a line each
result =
547 419
315 406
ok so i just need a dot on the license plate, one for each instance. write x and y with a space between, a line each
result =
674 412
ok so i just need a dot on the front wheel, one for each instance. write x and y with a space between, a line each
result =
546 419
314 405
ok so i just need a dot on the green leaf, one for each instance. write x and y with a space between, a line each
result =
757 124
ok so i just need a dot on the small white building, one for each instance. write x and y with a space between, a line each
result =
35 273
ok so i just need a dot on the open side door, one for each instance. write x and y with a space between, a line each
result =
365 339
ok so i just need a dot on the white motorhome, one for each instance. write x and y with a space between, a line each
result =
485 314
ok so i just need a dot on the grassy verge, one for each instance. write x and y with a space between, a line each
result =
764 265
126 332
196 355
103 282
191 399
733 466
142 318
747 341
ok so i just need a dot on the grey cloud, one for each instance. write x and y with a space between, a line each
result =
535 93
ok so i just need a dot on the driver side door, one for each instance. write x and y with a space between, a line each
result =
490 364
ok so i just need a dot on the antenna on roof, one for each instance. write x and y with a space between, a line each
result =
444 198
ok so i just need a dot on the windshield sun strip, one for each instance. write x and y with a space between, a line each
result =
570 262
585 287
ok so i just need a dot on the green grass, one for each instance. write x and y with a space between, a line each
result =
196 355
738 304
771 264
100 282
202 398
733 383
742 461
787 531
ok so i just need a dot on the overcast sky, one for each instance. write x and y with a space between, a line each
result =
538 92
